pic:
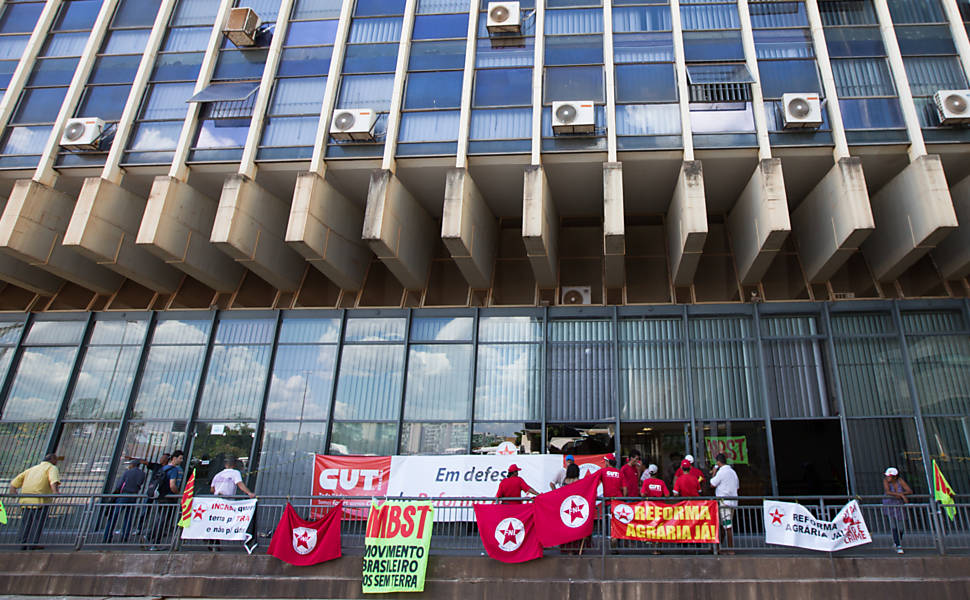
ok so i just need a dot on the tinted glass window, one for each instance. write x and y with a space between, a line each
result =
366 8
178 67
20 18
305 61
574 83
136 13
223 133
573 50
115 69
854 41
871 113
428 56
104 101
434 90
311 33
785 76
40 105
645 83
440 26
503 87
370 58
240 64
53 71
712 45
78 14
925 39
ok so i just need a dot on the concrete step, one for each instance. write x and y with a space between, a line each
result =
224 575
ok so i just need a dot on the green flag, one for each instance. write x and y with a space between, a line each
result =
943 492
3 514
396 546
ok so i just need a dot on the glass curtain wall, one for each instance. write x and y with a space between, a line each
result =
109 84
867 94
41 99
367 77
225 115
502 98
647 109
171 84
301 79
17 22
574 69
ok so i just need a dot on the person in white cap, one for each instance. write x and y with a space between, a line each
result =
892 505
695 472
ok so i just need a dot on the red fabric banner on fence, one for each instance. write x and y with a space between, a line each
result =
508 531
364 476
688 522
568 513
303 543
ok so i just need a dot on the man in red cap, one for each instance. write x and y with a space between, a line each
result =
611 478
686 484
513 485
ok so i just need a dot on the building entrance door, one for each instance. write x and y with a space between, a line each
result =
661 443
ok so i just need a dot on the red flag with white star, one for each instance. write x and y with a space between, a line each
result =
508 531
568 513
304 543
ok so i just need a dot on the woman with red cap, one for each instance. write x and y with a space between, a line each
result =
513 485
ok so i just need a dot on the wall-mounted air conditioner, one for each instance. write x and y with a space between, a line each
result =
82 133
574 116
953 106
801 110
353 124
504 17
577 294
241 26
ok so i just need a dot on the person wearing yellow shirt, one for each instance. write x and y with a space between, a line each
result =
40 480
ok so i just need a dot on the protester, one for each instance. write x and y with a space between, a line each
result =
653 487
164 496
896 490
130 482
227 481
567 474
696 473
629 474
42 479
154 477
611 478
686 484
725 483
513 485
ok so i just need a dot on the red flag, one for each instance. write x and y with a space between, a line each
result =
508 531
303 543
568 513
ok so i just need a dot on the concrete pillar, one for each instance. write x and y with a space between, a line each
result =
913 213
833 220
614 226
32 230
469 229
250 225
687 223
324 227
30 278
398 230
540 227
952 255
176 227
103 228
759 222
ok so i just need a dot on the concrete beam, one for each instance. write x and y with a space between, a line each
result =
469 229
32 228
103 228
913 213
952 255
324 227
540 227
176 227
833 220
687 223
250 225
759 222
398 230
614 226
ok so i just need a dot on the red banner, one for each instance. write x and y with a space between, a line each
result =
305 543
508 531
364 476
688 522
566 514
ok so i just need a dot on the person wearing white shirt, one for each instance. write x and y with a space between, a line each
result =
228 480
725 483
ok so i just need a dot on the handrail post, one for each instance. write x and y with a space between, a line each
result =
86 517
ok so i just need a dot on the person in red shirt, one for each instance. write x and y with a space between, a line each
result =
630 475
610 478
654 487
686 484
696 473
513 485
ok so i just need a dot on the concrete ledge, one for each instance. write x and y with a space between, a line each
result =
540 227
193 575
759 221
614 226
687 223
469 229
952 256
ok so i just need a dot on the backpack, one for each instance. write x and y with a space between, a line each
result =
158 486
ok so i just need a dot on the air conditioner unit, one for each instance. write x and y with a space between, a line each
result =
241 27
354 124
953 106
575 116
801 110
504 17
82 133
576 295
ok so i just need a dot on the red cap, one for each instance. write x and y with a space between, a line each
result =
685 463
513 468
609 457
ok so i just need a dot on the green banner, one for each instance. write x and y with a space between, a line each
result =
396 546
735 448
3 515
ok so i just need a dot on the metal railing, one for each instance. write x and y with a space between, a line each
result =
133 522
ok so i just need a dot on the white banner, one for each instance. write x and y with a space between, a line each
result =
220 519
468 475
790 524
